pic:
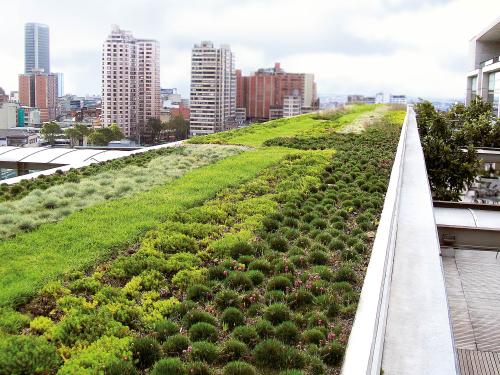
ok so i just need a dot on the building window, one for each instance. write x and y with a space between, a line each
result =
494 90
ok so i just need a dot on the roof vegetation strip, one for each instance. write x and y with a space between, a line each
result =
78 241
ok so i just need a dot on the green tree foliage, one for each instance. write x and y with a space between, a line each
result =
179 126
156 127
449 140
50 131
101 137
475 124
76 134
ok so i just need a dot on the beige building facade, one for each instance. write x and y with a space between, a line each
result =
130 82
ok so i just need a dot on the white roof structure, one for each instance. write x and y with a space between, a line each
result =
48 155
467 217
67 157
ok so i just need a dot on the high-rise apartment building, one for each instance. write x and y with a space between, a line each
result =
262 94
213 89
39 90
36 48
130 82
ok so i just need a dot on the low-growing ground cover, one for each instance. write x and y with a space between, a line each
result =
85 237
64 198
264 278
42 182
309 124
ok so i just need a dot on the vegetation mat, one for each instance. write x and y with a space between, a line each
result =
261 278
85 237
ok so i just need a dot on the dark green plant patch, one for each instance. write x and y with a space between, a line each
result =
260 279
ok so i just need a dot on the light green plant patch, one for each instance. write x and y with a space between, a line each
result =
309 124
59 201
91 235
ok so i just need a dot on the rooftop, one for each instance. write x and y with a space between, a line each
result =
293 203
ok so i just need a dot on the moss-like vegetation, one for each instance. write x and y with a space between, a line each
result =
307 125
79 240
262 277
42 182
60 200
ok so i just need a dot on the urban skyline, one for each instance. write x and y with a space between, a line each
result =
336 51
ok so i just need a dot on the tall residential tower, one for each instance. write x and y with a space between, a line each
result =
130 82
213 89
36 48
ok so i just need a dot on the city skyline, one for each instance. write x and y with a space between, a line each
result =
392 46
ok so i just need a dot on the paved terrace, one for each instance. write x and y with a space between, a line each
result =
473 287
470 235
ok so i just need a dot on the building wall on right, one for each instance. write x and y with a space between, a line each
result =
483 78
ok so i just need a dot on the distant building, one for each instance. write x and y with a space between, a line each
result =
213 89
14 96
275 113
266 89
8 115
292 105
398 99
483 78
36 48
241 116
379 98
39 90
355 99
33 118
130 82
361 99
180 110
170 97
3 97
19 137
60 84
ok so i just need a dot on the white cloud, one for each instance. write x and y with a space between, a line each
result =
418 47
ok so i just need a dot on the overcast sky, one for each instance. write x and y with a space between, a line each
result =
415 47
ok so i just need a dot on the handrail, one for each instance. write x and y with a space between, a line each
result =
365 346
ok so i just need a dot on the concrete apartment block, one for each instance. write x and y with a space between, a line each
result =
483 78
292 105
8 115
213 89
130 82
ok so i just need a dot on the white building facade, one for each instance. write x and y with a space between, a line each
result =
213 89
292 105
130 82
8 115
483 79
